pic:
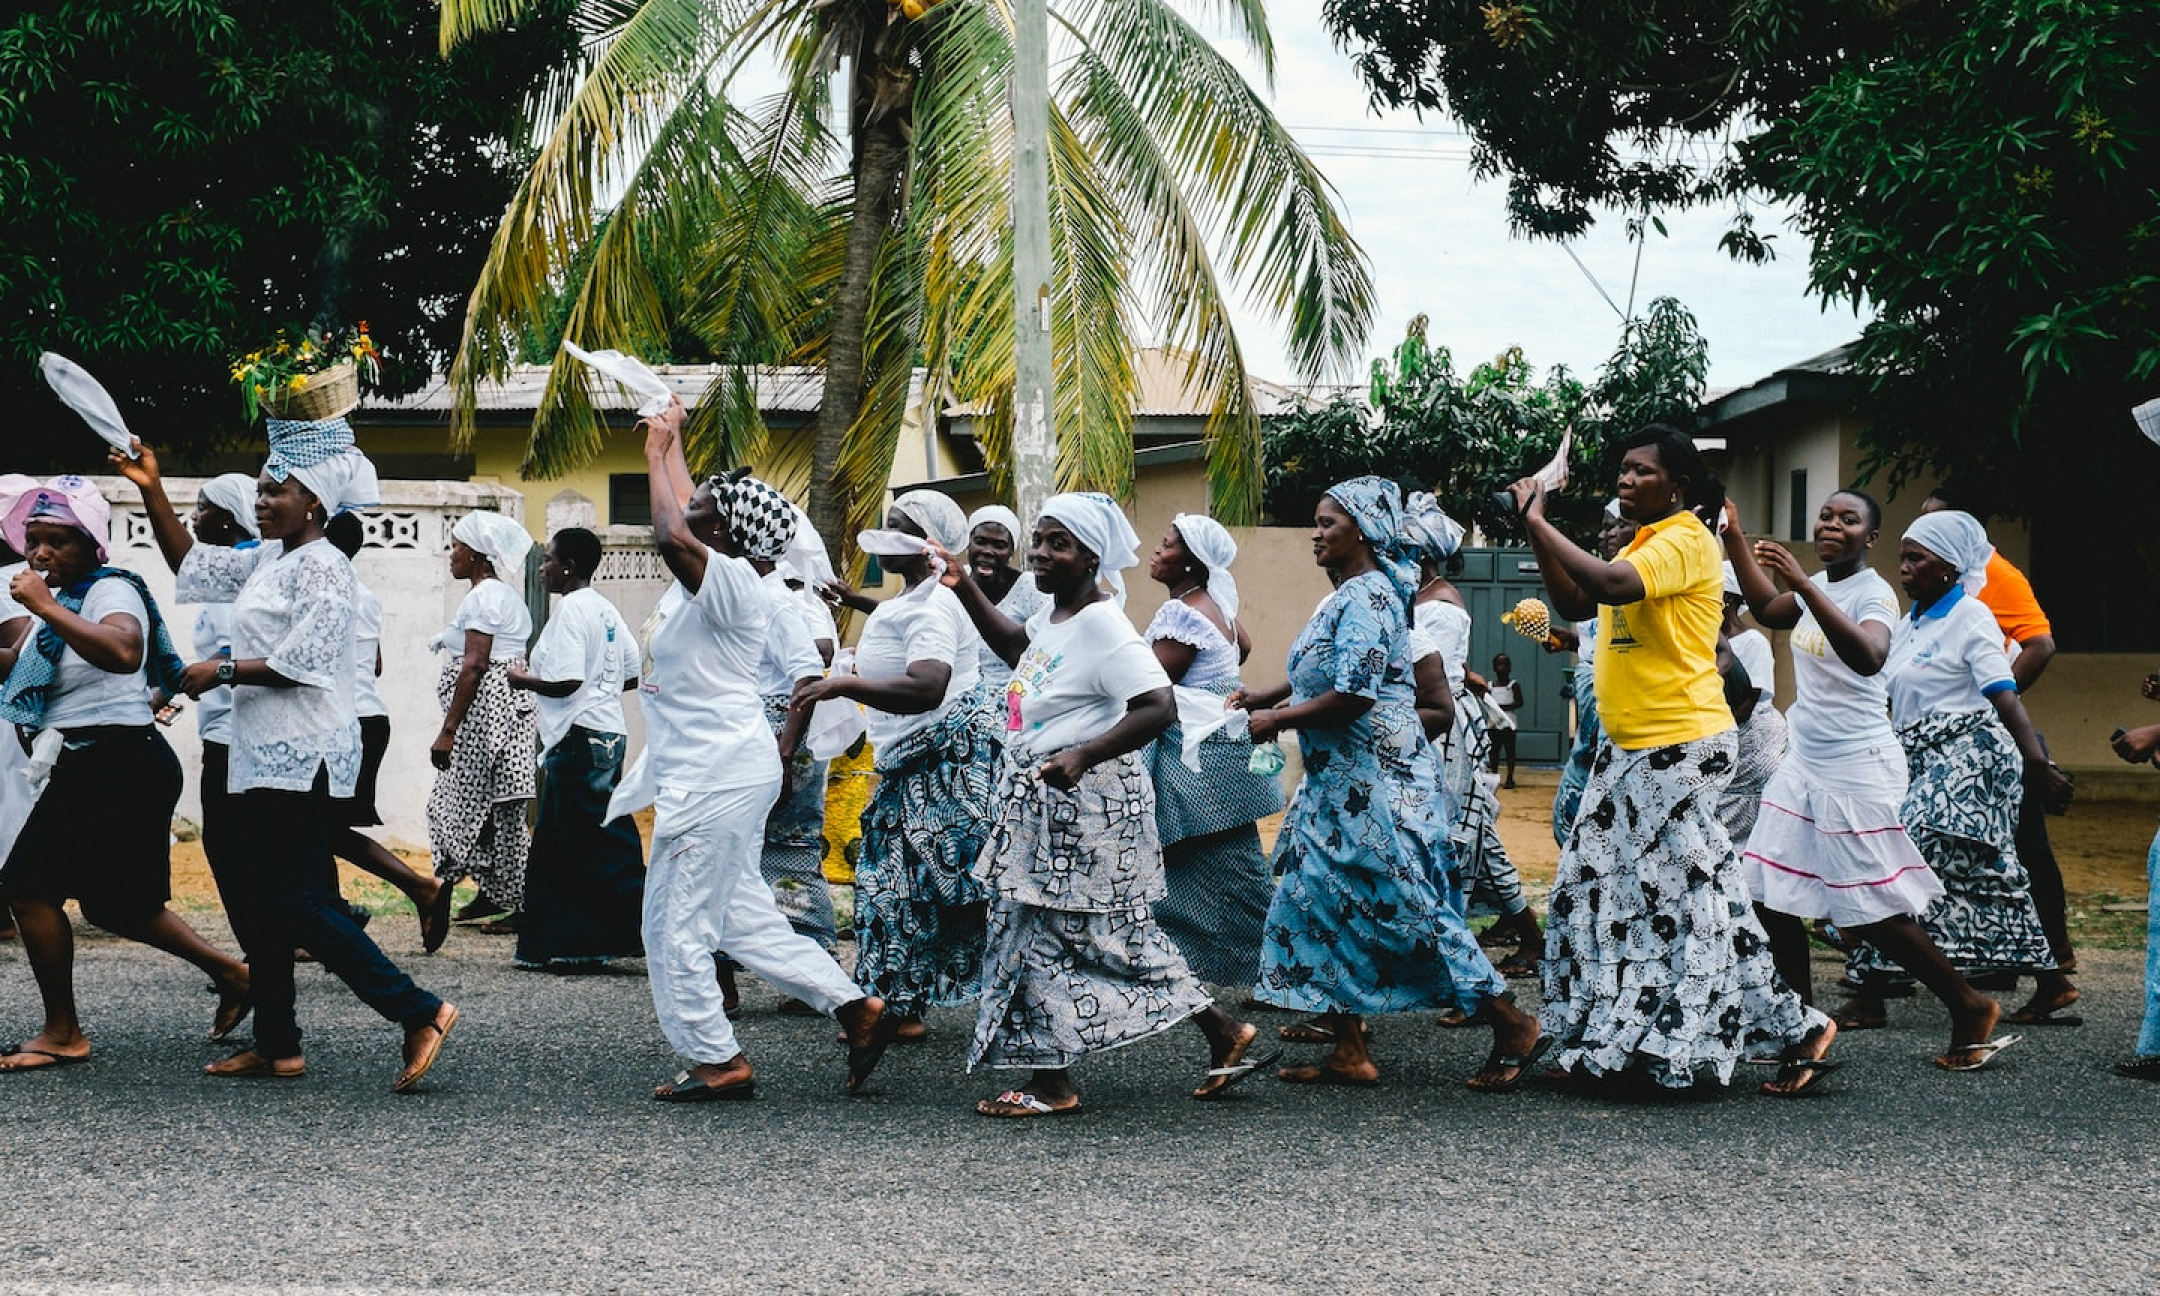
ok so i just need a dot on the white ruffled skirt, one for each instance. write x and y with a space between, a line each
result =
1830 841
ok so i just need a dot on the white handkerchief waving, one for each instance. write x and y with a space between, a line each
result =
631 372
88 398
1201 713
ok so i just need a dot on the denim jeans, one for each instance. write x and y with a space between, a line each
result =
2149 1037
286 884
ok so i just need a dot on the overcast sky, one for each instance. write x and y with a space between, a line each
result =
1438 243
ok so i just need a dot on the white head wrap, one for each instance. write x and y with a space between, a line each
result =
497 537
806 559
1732 581
999 515
1097 522
1612 508
940 518
322 455
1958 539
235 493
1209 541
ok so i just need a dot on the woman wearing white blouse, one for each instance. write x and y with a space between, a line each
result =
484 754
295 740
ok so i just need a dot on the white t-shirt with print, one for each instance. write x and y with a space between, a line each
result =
928 624
491 608
1500 695
585 639
83 694
1949 658
704 720
1075 677
1837 711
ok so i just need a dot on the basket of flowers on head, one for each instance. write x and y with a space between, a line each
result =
318 377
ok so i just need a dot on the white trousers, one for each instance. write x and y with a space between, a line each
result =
704 895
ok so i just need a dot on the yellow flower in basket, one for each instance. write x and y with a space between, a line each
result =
1531 619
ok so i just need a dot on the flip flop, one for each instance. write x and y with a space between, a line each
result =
2056 1014
1023 1106
247 1064
1522 1066
1234 1072
686 1088
1790 1069
1975 1057
55 1059
1849 1019
2143 1068
1516 968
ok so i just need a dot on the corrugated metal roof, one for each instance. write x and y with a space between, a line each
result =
1164 389
792 389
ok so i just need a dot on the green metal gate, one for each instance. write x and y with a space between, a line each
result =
1492 581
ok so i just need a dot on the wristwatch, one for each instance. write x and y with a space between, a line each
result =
227 670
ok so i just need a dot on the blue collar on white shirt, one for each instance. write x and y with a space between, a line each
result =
1940 607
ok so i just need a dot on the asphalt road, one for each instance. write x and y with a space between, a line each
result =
532 1161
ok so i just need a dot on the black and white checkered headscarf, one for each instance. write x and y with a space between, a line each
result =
759 519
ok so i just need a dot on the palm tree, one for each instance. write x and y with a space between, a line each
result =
1172 185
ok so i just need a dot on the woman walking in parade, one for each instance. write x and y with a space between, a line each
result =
715 772
430 896
1209 800
918 907
585 876
1830 842
1368 918
1654 960
295 739
483 755
1972 756
97 834
1075 962
1488 879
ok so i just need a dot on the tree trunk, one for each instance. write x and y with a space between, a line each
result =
880 158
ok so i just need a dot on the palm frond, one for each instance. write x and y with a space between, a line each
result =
652 67
1251 188
1189 301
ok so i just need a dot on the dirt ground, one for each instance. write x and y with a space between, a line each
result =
2101 847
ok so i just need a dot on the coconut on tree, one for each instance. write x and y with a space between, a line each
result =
660 206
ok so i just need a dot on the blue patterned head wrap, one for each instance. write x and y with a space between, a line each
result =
1376 505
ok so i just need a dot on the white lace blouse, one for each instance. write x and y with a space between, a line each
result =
295 609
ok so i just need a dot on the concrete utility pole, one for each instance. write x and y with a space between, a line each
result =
1034 434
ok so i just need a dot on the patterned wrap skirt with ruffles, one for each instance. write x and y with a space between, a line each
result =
1215 874
1961 808
1654 959
1490 883
476 814
918 907
1075 962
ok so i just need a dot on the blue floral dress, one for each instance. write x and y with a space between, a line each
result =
1368 918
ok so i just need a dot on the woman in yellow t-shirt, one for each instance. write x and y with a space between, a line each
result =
1654 960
